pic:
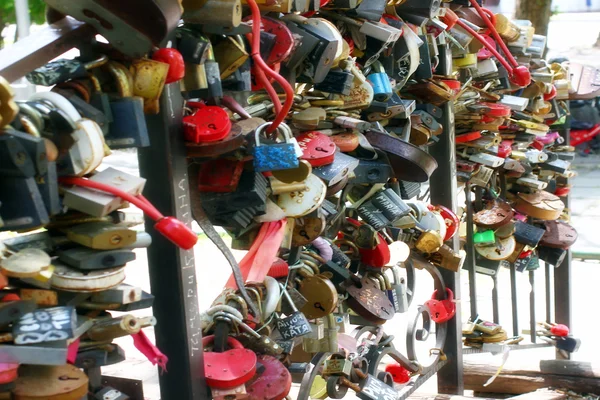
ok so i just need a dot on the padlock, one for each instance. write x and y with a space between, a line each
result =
231 368
398 294
318 149
380 81
552 256
63 70
23 207
558 234
300 203
87 147
441 310
341 168
47 325
294 325
375 389
528 234
339 81
206 123
274 157
337 365
47 381
26 263
101 204
369 302
320 294
89 259
72 280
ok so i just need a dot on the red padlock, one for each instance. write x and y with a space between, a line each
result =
551 95
505 148
318 149
468 137
562 191
441 310
272 382
231 368
206 124
378 257
399 373
451 220
175 61
220 175
560 330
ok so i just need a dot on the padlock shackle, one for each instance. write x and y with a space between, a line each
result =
232 342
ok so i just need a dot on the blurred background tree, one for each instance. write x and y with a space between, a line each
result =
7 14
538 12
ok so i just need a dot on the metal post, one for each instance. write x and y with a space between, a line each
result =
548 293
173 270
532 319
495 301
22 17
443 192
470 261
562 275
514 298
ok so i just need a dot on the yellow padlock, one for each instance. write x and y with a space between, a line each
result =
149 78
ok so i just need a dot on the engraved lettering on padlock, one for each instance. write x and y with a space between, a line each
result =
296 324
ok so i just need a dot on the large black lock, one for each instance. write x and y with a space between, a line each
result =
528 234
22 204
128 128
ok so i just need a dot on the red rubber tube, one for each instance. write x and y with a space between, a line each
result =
139 201
494 32
492 50
260 63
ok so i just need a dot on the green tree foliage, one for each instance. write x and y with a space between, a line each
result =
7 14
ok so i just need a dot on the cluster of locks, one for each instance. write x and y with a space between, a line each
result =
321 183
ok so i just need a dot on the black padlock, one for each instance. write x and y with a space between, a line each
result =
45 325
15 160
89 259
128 128
373 216
110 393
568 343
373 171
337 81
552 256
250 192
35 148
22 204
48 187
527 234
391 205
89 111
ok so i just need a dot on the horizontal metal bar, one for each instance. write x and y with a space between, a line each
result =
472 350
411 387
36 50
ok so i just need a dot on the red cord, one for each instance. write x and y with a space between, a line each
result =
139 201
492 28
260 64
480 39
261 78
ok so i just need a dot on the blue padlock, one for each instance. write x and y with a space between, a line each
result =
380 82
275 157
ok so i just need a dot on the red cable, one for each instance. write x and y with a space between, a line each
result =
260 63
262 79
480 39
494 32
139 201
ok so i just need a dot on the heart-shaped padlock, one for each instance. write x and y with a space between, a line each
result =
273 382
231 368
441 310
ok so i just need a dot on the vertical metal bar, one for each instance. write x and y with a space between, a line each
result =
514 298
443 192
562 275
470 249
495 301
173 270
532 320
548 293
